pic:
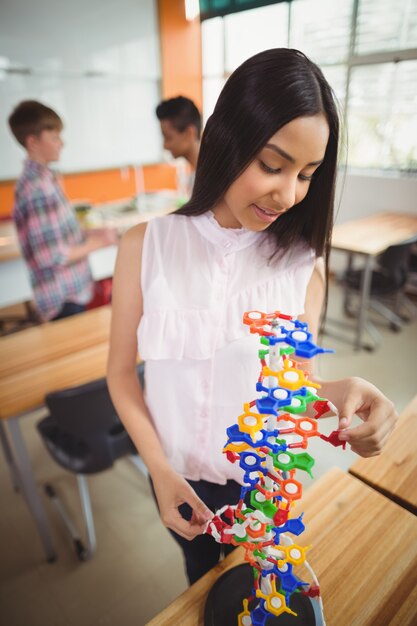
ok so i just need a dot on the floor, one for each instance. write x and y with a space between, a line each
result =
137 569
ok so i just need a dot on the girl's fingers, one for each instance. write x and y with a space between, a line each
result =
172 518
367 450
347 412
201 512
369 438
186 529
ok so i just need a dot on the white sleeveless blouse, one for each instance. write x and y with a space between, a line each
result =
198 279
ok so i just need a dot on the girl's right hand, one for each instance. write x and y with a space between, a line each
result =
171 491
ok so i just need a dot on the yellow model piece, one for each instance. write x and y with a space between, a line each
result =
275 601
294 554
250 422
244 618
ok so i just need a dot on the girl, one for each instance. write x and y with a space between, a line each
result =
254 235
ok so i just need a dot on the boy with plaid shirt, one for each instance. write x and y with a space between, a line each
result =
53 245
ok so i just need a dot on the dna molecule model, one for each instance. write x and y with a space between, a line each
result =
269 443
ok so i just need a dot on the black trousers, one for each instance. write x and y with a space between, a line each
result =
203 552
68 309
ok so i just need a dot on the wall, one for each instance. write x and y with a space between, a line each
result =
180 52
102 72
98 64
103 185
365 194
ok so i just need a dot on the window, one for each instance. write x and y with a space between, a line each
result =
249 32
383 116
321 29
367 50
386 25
228 41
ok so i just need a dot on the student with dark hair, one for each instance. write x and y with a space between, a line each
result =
254 236
52 243
180 122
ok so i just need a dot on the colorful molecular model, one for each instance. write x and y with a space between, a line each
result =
265 442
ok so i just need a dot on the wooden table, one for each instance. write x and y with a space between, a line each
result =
369 237
394 471
26 390
364 553
65 353
41 344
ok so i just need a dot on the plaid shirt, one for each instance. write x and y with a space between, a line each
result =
47 227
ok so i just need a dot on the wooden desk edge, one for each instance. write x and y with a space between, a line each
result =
21 343
343 241
384 492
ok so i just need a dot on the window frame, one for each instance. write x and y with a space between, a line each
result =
352 61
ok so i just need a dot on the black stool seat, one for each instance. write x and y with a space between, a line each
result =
84 435
83 432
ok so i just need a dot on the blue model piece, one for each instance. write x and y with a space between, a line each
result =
301 340
276 398
275 447
267 405
236 436
289 582
251 462
260 615
294 526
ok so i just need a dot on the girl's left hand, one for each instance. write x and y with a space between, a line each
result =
358 396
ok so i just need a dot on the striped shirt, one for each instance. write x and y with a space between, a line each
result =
47 227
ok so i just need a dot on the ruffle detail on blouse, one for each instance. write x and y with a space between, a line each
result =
176 334
198 333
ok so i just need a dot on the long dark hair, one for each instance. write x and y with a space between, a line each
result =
263 94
